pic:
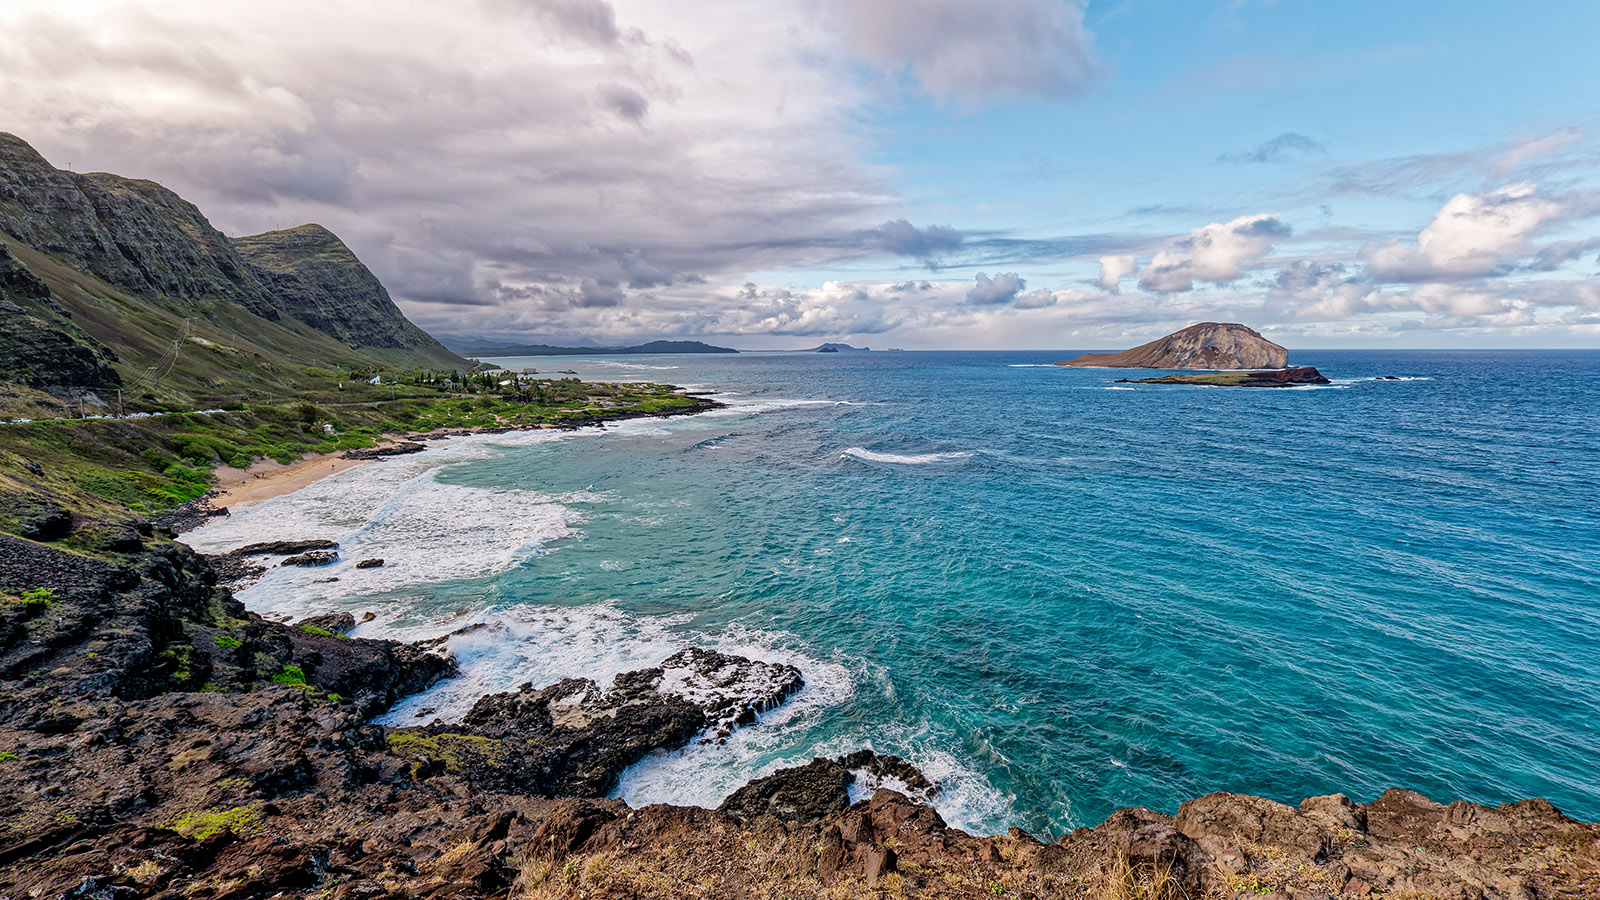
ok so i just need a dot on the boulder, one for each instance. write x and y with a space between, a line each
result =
798 795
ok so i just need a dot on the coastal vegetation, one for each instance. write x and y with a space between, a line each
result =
105 468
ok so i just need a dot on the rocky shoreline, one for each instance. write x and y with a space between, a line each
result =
161 740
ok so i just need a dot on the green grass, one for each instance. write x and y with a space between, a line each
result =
293 676
241 820
457 751
226 642
105 469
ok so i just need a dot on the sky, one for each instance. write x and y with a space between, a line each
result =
1024 174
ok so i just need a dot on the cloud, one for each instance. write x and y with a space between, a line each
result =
1472 235
1038 298
585 157
999 289
902 238
1280 148
1214 253
1429 174
626 102
591 22
972 52
1114 268
1525 151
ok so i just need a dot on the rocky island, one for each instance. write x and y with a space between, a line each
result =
1276 378
1208 345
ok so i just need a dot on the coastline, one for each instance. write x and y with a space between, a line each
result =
260 774
266 479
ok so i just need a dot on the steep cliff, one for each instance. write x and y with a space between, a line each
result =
1208 345
134 234
134 273
40 346
314 277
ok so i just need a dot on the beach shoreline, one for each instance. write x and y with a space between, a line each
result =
266 479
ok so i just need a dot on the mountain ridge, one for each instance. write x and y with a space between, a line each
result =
480 347
107 279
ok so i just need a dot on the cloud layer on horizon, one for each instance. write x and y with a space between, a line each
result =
627 170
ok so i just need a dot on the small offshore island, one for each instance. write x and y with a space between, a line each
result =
1274 378
1209 345
159 739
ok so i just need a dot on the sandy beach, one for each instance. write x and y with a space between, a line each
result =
265 479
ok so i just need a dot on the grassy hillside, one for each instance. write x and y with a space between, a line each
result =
110 471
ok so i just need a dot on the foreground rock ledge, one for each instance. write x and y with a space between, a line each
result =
161 741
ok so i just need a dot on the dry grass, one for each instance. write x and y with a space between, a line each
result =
1125 881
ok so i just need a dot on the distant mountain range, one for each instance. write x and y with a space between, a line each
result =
110 282
481 347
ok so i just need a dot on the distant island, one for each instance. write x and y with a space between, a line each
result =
1208 345
486 348
1273 378
835 348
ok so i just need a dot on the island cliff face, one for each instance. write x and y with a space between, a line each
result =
1208 345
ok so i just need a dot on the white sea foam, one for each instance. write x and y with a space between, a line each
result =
515 645
905 459
429 530
1031 366
424 529
643 367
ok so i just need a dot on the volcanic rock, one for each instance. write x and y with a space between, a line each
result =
1208 345
1272 379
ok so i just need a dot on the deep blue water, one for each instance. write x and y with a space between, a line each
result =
1065 596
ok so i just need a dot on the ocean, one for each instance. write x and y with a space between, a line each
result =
1055 594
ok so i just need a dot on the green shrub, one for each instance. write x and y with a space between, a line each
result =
226 642
292 676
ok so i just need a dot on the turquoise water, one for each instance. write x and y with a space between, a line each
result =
1059 595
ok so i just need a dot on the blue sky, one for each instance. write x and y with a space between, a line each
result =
919 173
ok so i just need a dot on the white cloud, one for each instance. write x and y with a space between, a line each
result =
564 154
1214 253
1115 268
1473 235
1002 288
1038 298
